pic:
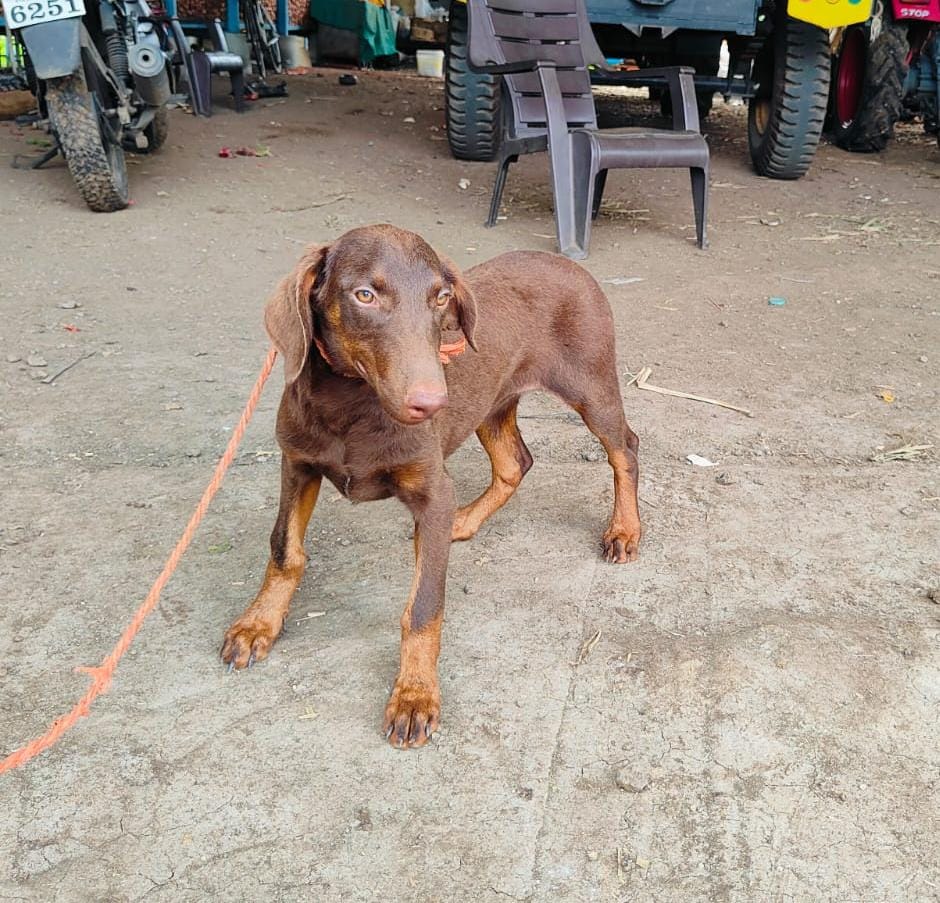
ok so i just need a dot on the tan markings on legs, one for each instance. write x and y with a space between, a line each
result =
622 538
251 637
510 460
606 421
414 706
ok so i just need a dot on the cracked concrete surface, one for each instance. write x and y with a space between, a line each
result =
758 719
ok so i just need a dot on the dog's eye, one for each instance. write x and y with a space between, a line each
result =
364 295
445 296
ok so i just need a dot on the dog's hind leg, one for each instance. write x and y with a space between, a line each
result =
607 422
251 637
601 407
510 459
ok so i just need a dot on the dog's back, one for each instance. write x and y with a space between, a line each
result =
543 322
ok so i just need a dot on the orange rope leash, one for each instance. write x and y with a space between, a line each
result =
101 674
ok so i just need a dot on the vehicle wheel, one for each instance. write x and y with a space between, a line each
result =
785 118
868 85
95 161
471 100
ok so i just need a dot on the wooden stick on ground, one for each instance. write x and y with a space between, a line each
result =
641 383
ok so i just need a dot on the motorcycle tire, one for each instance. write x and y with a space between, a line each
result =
95 161
872 74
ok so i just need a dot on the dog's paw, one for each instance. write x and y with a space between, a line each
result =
247 641
412 714
465 527
621 545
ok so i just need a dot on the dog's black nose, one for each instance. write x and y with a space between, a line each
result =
421 402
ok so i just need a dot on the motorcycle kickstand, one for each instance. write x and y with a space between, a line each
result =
20 163
53 151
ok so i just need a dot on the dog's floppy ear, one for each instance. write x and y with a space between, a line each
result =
462 310
288 317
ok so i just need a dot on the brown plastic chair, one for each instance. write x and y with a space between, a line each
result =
543 48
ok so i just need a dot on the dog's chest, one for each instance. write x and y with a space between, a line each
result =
361 469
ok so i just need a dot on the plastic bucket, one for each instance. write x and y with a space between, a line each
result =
431 63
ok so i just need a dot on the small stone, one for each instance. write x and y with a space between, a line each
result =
923 358
37 360
408 119
194 453
632 778
467 590
463 184
591 455
13 358
344 542
934 595
69 305
592 855
724 479
38 374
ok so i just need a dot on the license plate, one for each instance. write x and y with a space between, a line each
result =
20 13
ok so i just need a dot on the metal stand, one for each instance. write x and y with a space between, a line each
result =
39 162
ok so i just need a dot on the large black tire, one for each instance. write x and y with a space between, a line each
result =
471 100
96 163
785 118
870 127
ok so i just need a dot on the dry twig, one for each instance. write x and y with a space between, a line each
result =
641 383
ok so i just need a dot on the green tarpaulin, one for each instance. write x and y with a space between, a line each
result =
372 23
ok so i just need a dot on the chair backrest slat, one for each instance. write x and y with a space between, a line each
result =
540 6
544 29
578 110
571 81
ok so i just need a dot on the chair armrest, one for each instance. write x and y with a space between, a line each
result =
559 142
681 85
507 68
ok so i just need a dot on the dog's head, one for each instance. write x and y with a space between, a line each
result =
373 304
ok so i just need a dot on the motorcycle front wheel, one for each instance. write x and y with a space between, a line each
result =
94 158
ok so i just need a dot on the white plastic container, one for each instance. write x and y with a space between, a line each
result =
431 63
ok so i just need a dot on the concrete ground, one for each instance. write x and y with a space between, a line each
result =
749 712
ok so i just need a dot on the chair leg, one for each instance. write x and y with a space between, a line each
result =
585 179
237 77
700 202
599 184
200 78
501 174
567 180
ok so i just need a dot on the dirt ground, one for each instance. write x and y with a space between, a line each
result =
755 711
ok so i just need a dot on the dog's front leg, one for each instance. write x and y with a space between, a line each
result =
251 637
414 708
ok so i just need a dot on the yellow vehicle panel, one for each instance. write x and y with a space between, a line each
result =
830 13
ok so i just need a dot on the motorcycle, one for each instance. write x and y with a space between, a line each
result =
102 75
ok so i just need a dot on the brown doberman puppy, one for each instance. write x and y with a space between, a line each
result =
369 406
